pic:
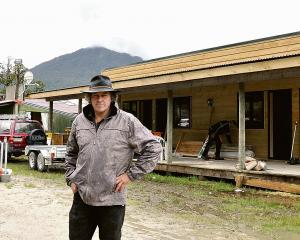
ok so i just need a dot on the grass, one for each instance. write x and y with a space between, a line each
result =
290 223
297 206
21 167
260 210
271 213
29 185
9 185
251 202
191 181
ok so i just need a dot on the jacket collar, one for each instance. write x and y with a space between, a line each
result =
89 113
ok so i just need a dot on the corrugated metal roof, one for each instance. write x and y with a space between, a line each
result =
58 107
213 48
231 63
272 48
222 64
7 102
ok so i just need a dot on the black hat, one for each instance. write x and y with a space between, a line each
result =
100 83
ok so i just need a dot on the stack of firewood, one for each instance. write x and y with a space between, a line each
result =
253 164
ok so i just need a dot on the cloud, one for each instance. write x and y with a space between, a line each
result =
38 30
90 10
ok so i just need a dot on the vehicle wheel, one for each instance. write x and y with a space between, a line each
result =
32 159
36 137
41 163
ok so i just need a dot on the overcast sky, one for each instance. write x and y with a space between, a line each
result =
39 30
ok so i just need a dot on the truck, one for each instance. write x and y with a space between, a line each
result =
20 131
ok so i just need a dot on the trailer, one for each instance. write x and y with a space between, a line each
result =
41 157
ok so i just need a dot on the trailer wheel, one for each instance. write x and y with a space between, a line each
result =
41 163
32 159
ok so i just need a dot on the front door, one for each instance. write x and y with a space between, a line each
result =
280 124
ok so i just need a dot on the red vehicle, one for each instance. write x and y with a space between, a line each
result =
20 131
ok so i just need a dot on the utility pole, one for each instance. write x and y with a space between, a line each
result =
18 63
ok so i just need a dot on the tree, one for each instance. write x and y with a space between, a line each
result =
12 73
6 73
37 86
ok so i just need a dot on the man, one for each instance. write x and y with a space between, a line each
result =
99 166
214 132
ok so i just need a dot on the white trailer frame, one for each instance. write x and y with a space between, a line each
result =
40 157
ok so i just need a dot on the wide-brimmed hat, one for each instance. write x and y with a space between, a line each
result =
100 83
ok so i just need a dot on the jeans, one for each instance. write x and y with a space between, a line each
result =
83 220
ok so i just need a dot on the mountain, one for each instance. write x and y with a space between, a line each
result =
77 68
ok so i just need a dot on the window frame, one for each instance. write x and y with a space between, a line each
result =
175 122
131 103
253 97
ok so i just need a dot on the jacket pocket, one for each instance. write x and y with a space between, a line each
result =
114 136
84 136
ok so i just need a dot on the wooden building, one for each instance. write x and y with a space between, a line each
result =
267 69
255 83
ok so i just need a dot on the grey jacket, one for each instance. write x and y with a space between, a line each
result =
95 158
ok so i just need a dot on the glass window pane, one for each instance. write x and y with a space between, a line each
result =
26 127
182 113
254 111
131 107
4 126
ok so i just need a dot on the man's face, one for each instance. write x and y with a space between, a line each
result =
101 102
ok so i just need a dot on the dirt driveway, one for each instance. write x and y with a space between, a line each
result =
37 209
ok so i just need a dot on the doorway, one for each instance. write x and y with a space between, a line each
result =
146 113
161 115
280 124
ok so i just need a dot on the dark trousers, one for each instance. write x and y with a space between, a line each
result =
83 220
210 141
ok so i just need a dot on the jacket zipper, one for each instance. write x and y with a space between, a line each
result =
92 154
93 150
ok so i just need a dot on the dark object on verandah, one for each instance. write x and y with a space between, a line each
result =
214 132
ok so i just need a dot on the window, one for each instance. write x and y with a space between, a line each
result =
182 113
5 126
254 110
27 127
131 107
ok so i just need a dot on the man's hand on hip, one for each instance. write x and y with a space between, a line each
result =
74 187
122 182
